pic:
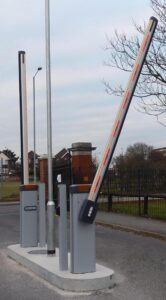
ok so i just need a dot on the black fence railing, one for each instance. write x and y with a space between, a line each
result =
140 193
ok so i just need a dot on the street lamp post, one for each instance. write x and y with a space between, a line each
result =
50 203
34 126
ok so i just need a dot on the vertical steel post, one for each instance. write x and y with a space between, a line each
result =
139 193
146 205
42 216
1 179
23 117
63 253
50 204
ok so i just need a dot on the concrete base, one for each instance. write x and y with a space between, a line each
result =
36 259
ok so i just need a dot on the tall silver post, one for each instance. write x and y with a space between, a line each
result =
34 133
50 203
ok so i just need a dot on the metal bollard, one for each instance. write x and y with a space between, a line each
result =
42 215
63 253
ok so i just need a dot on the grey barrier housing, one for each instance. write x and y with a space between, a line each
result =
82 236
28 216
32 215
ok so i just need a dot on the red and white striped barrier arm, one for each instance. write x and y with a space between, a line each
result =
89 208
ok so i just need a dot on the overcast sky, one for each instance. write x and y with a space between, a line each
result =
81 109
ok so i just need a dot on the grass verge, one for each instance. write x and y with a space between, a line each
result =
9 190
156 208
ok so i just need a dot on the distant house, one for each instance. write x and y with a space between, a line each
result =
4 164
161 150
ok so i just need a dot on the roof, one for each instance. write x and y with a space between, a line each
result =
160 149
62 155
163 149
62 158
3 156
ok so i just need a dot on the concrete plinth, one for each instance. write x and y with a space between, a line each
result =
36 259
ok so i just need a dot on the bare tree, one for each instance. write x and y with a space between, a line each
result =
122 50
140 156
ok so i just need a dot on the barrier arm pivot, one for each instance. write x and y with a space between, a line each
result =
89 208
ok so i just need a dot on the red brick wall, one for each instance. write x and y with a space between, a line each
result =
82 169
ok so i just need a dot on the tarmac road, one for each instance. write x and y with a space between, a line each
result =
139 264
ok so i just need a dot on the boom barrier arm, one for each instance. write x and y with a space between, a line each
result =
89 209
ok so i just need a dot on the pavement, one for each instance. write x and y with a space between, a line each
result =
138 225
